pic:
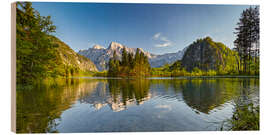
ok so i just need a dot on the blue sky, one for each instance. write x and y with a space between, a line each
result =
157 28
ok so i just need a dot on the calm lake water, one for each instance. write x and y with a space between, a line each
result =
115 105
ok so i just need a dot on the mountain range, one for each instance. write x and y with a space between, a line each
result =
101 55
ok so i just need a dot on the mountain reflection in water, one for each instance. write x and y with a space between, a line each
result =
140 104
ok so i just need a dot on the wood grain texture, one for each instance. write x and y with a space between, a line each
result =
13 67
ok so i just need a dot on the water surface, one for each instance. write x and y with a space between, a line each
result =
154 104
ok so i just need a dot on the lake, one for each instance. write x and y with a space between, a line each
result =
114 105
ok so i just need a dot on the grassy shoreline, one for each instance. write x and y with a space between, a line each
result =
105 76
122 77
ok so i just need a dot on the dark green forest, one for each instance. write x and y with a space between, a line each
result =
129 65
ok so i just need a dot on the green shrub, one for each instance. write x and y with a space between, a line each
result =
211 73
246 118
196 72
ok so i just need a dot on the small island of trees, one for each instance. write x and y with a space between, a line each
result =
129 65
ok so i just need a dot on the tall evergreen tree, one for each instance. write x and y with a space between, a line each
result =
141 58
111 67
124 57
137 56
130 60
247 41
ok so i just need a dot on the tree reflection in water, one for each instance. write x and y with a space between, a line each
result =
39 107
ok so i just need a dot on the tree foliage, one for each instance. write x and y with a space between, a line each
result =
34 47
39 54
129 65
207 54
247 40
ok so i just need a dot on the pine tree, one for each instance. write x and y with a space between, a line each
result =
130 60
111 67
137 56
124 57
247 41
141 58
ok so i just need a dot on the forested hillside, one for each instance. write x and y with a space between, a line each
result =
38 53
206 54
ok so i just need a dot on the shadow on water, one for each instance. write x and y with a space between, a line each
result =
39 108
205 94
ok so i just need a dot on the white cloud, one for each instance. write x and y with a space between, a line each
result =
156 36
163 45
165 41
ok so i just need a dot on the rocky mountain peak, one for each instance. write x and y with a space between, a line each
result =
115 46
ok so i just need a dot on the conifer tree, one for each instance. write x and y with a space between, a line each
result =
124 57
141 58
130 60
137 56
247 41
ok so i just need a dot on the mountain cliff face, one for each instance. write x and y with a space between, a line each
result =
66 56
209 55
100 56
